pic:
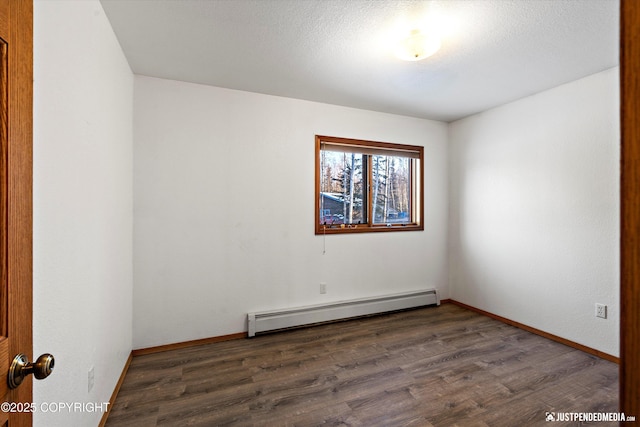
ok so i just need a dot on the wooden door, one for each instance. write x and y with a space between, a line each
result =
16 100
630 208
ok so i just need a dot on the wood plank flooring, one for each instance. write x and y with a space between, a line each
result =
436 366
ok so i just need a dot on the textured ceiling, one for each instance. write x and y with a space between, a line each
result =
334 51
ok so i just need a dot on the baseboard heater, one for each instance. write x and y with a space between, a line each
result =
268 321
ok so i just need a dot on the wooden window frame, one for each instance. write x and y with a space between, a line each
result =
370 148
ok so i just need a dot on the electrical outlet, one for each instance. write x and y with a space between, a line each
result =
601 311
323 288
90 379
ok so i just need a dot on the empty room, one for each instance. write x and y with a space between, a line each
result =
319 212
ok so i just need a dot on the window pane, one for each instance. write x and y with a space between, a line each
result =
341 188
391 189
367 186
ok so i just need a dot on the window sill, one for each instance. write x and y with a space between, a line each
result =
364 228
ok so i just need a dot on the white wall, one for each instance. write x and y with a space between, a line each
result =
534 227
83 208
224 210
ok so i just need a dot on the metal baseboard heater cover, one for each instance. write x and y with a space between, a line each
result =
265 321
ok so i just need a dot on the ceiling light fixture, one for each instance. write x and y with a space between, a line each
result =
418 45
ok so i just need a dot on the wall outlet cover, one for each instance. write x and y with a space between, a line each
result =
90 379
601 311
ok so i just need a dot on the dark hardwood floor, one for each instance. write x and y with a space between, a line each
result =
436 366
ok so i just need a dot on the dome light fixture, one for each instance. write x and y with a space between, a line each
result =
418 45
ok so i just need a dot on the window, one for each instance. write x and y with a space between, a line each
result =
365 186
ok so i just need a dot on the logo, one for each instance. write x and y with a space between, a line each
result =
550 416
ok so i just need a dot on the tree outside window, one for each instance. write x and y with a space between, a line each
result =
367 186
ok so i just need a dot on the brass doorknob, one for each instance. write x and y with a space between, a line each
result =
21 367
